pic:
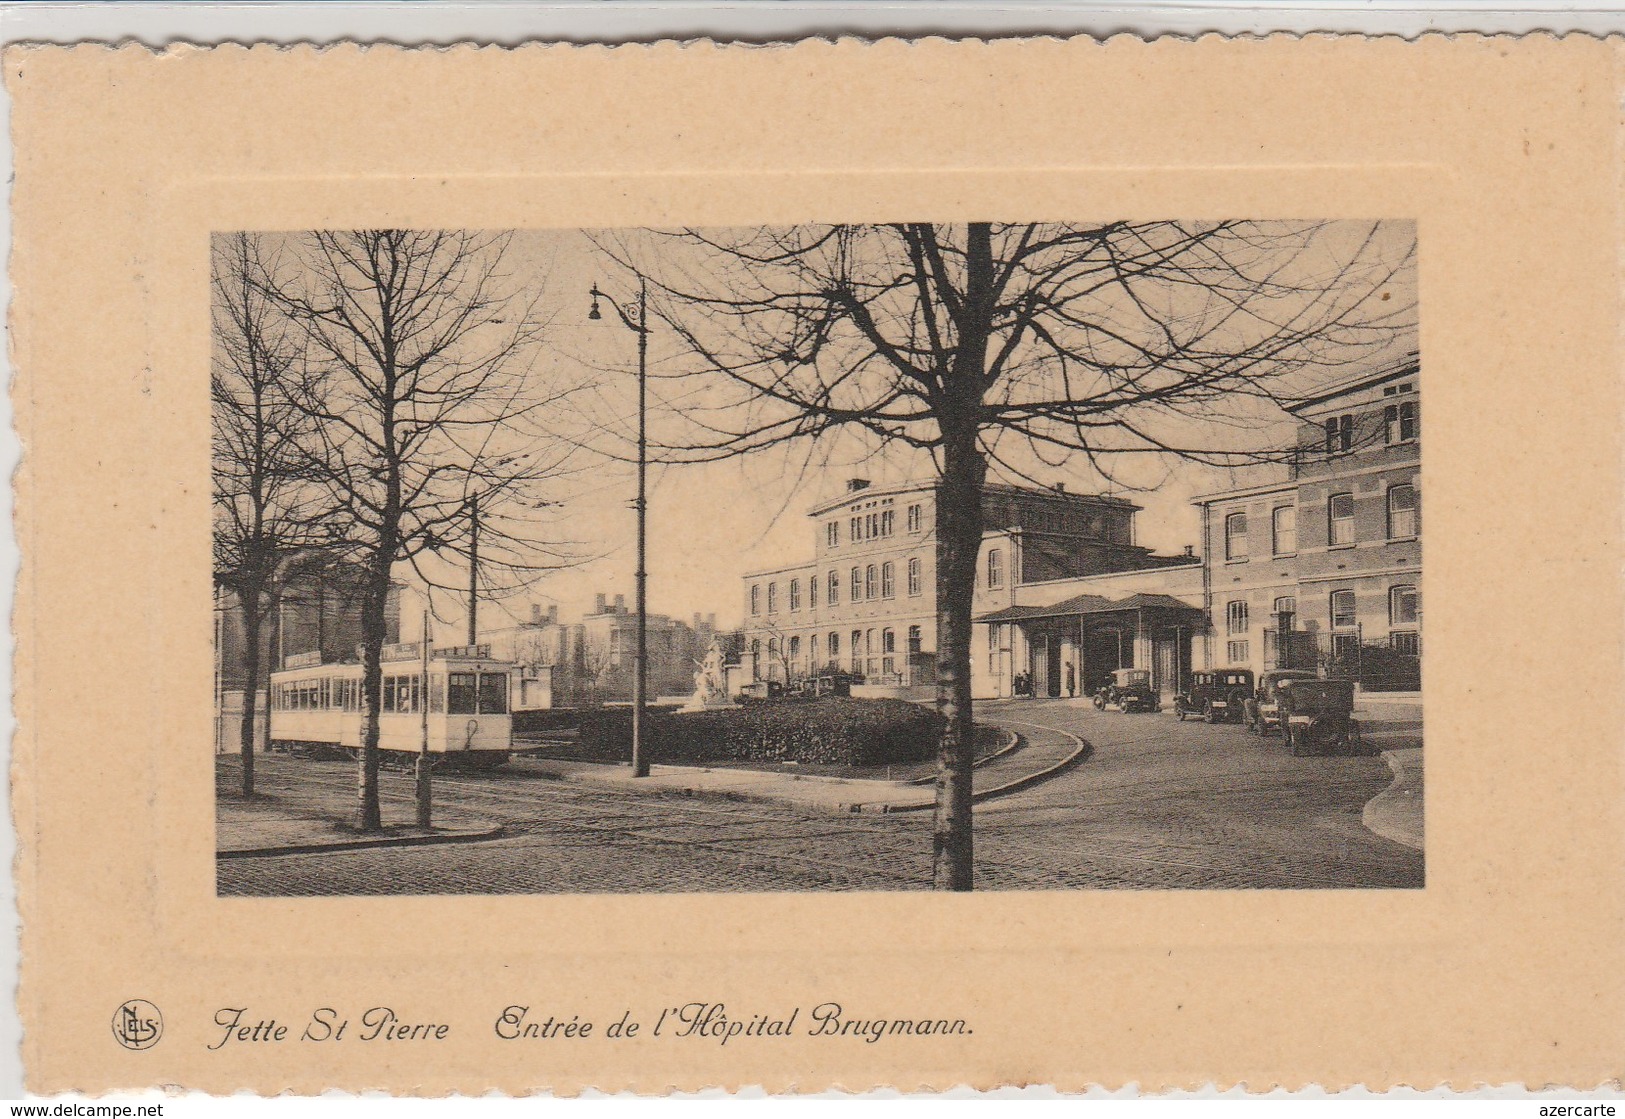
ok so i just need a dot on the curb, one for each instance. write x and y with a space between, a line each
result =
1015 743
361 844
1082 754
1388 813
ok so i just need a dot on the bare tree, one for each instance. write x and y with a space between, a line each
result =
430 416
1016 346
267 512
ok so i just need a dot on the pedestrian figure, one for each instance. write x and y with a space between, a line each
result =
1071 683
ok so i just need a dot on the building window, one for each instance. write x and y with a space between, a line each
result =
834 658
1402 606
772 598
756 599
1339 434
1340 515
834 583
995 569
1399 422
1236 652
888 651
1408 642
795 594
914 518
1235 617
1286 607
812 592
888 522
856 594
913 640
854 530
1401 512
1235 536
855 650
888 580
795 655
869 581
832 534
993 648
1284 530
756 654
914 575
1343 616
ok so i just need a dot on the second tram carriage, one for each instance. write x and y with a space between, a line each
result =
317 706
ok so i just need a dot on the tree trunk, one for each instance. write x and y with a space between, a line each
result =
959 539
251 603
374 598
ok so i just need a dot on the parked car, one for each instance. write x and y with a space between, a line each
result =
1318 717
1263 711
1215 697
1130 690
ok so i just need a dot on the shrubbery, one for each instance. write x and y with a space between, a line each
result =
829 731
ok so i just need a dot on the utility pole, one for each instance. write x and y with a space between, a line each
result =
640 676
423 790
474 570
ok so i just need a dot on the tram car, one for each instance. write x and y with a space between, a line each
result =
316 708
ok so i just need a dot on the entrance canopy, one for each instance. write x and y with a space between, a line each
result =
1166 605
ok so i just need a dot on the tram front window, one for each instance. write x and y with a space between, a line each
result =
493 693
461 693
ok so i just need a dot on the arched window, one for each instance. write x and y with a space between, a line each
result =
913 639
995 569
756 599
1343 615
857 584
914 575
795 656
834 583
1340 519
1284 529
1403 605
888 650
855 650
869 581
888 581
1235 536
1235 617
1402 512
834 649
772 598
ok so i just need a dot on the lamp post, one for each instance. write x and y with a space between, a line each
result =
639 325
423 790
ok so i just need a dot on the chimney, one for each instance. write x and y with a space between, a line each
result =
696 621
853 485
1060 487
535 613
553 614
620 604
711 620
599 608
1190 549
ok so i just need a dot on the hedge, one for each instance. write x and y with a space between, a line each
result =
829 731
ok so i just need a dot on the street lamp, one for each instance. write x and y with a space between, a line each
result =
639 325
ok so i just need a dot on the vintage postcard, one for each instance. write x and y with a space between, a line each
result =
834 565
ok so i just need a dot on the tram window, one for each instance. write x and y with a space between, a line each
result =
493 693
417 693
389 694
460 693
437 694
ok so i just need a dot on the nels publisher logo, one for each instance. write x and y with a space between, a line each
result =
138 1025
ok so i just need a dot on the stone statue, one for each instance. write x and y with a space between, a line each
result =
710 681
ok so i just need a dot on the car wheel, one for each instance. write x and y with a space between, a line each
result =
1180 713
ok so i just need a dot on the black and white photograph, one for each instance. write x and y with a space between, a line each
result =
824 557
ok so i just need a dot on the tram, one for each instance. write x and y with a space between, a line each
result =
316 707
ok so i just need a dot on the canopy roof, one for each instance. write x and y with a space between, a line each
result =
1091 604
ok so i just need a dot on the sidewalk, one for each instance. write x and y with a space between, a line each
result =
1040 753
291 818
1396 813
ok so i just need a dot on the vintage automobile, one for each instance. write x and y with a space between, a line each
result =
1215 697
1318 717
1130 690
1263 709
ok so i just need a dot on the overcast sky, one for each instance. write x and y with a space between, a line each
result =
710 523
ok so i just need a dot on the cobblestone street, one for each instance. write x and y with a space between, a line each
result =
1160 805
